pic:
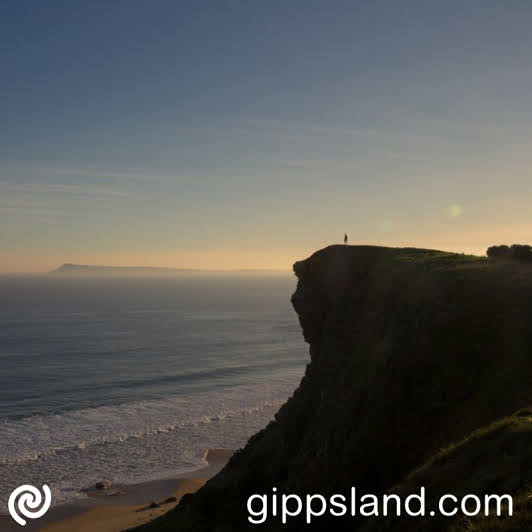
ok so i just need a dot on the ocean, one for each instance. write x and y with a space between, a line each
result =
131 380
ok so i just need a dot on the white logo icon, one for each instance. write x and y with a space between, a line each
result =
30 499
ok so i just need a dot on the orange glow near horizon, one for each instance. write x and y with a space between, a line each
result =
267 259
203 260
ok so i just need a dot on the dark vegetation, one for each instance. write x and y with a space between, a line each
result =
496 459
413 352
520 252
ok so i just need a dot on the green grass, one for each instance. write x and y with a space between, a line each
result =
435 258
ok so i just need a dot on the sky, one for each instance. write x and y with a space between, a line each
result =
250 134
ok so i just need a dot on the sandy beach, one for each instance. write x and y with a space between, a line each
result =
121 507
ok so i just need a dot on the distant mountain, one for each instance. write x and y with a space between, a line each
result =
69 269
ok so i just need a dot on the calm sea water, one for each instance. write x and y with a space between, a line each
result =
134 379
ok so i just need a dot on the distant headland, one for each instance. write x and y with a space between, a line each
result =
74 270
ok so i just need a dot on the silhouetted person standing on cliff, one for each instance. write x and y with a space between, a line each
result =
345 239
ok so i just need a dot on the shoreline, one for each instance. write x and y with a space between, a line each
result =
121 507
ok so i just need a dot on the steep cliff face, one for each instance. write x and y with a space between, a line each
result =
411 350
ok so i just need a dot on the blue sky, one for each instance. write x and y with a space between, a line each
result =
248 134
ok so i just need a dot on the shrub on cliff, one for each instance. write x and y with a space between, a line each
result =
521 252
498 251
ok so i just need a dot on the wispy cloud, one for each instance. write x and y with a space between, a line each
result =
47 203
298 129
47 171
14 205
99 173
74 191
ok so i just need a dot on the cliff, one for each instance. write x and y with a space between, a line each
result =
411 351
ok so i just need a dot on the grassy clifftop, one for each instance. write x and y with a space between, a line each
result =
411 350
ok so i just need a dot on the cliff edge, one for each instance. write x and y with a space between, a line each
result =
411 351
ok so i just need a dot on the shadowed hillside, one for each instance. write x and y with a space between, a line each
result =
496 459
411 351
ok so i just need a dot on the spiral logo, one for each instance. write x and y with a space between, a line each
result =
29 500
